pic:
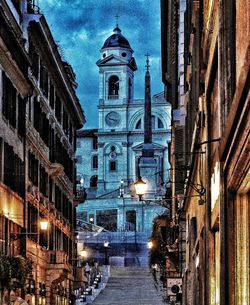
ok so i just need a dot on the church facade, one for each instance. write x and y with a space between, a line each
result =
108 157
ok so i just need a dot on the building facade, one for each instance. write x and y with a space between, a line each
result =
215 205
40 114
108 158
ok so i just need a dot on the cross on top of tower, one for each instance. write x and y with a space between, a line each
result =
147 61
117 19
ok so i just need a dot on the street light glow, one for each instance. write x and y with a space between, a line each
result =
106 244
84 253
44 224
140 187
150 244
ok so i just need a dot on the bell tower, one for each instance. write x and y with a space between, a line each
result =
116 80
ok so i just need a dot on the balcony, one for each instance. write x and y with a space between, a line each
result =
80 195
113 97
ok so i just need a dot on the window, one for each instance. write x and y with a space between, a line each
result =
107 219
82 215
58 109
9 101
44 80
43 181
129 89
93 181
21 116
95 143
13 170
65 122
159 123
32 222
33 169
34 59
138 125
41 123
113 87
51 95
95 162
130 221
112 165
58 198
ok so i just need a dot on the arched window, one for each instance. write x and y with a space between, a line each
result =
138 124
113 87
93 181
159 123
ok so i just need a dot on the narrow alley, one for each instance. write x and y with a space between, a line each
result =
130 286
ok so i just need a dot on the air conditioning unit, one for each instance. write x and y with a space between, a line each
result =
174 286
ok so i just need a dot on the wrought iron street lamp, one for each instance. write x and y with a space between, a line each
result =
106 247
140 187
150 244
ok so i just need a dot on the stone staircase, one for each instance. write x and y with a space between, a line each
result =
130 286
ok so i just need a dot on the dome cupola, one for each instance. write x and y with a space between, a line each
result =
116 40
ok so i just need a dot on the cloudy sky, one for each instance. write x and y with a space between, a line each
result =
80 27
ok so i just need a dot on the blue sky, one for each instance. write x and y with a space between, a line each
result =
80 27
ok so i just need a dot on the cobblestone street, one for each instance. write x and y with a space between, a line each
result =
130 286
